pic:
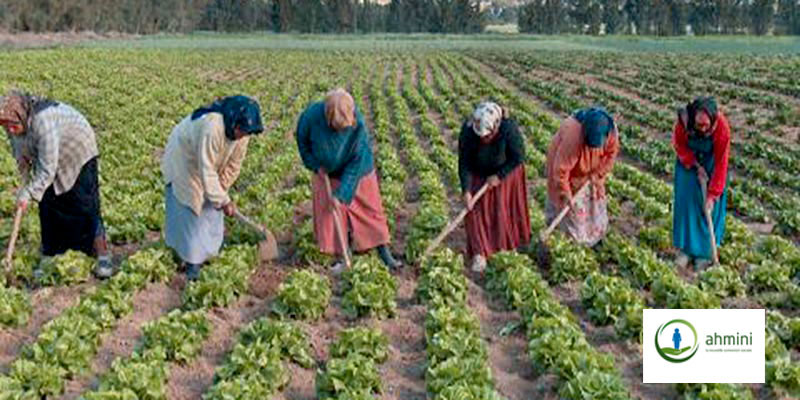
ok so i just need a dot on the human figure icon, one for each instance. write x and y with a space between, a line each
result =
676 339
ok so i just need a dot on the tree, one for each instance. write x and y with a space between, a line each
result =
702 16
612 16
543 16
789 16
762 12
636 10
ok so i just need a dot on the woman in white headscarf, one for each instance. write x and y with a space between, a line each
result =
491 151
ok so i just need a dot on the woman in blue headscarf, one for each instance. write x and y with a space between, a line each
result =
202 161
584 149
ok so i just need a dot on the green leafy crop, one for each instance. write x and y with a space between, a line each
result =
369 290
304 295
180 334
66 269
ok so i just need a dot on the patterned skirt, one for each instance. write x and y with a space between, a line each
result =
587 222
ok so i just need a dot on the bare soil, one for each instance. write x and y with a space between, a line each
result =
155 300
48 303
28 39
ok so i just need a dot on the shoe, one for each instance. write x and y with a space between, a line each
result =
337 267
479 264
104 268
193 271
38 271
387 258
682 261
700 264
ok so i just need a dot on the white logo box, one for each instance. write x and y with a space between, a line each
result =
735 356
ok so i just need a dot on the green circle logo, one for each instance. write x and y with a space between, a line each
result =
677 353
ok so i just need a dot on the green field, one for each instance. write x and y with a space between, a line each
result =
291 330
788 45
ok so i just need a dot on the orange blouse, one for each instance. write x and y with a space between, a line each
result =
570 162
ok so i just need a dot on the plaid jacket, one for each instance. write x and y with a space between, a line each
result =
58 143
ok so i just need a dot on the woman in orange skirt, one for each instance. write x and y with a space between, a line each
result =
491 152
333 140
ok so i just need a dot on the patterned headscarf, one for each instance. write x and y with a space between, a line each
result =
597 123
340 109
705 104
237 112
488 116
18 107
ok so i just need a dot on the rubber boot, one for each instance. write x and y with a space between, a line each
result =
386 256
193 271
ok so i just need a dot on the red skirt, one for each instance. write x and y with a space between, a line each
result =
363 217
499 221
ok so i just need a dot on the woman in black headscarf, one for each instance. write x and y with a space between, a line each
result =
702 142
202 161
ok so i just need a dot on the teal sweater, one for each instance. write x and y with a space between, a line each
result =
345 155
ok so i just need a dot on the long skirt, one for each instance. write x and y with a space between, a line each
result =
364 217
71 220
195 238
586 222
690 231
499 220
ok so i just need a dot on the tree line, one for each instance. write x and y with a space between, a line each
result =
661 17
307 16
643 17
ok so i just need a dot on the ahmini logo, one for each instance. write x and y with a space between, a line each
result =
677 341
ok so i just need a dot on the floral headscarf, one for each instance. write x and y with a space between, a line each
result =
486 118
18 107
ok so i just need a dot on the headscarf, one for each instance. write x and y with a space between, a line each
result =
488 115
340 109
705 104
597 123
237 112
18 107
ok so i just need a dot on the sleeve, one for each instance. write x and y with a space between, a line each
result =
680 142
23 160
303 136
722 149
44 171
230 172
351 171
610 153
463 164
515 150
566 157
210 146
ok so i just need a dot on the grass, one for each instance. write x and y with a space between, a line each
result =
500 37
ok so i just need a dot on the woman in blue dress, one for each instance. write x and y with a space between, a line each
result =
702 142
